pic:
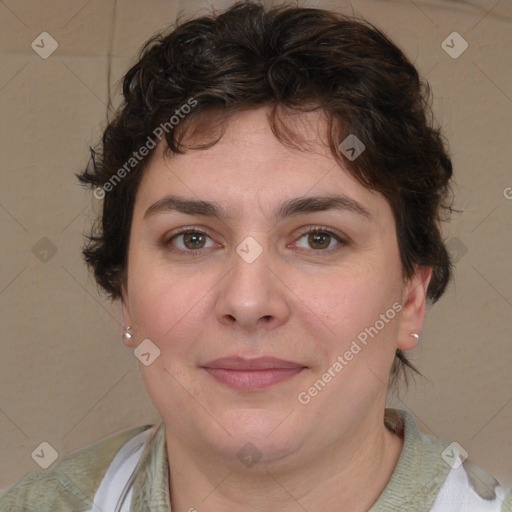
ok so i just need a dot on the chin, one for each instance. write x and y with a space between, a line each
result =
263 428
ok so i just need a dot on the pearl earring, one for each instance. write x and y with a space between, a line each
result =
127 335
414 335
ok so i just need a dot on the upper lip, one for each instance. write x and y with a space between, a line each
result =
260 363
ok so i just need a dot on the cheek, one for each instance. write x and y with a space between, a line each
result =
164 304
343 315
344 304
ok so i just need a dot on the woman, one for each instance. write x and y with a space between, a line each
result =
272 195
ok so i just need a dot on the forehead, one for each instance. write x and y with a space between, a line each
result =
250 163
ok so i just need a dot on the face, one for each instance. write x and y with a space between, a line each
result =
328 309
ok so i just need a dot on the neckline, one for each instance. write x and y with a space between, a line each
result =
414 483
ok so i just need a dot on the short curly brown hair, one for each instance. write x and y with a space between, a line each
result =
289 59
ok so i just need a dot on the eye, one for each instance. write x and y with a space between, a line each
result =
321 239
192 240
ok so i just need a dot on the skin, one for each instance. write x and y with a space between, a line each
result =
299 301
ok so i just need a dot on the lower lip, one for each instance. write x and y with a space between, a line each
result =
252 380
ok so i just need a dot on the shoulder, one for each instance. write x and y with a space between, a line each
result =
72 483
432 475
468 487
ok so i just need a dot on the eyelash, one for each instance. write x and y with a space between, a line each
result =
316 229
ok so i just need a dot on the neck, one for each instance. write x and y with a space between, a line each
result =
349 475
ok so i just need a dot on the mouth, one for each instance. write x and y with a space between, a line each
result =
252 374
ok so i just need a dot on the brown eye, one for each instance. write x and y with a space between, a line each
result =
322 240
189 242
193 240
319 240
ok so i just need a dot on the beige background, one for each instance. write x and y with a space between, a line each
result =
66 379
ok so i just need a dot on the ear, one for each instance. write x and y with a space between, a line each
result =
414 305
126 318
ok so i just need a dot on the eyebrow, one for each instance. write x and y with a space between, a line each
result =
289 208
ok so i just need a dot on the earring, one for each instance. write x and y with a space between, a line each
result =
127 335
414 335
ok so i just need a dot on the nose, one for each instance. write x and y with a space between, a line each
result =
253 296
